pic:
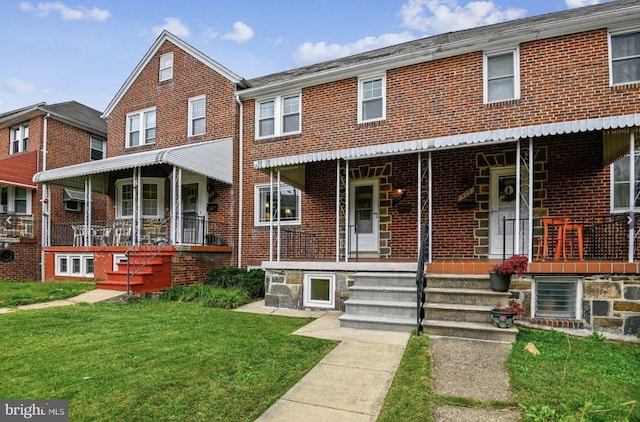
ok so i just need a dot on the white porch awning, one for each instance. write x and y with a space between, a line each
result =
213 159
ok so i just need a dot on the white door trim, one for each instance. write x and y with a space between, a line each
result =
366 243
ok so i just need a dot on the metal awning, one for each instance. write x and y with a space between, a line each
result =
454 141
69 194
213 159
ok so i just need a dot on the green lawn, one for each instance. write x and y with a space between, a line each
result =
14 294
154 360
573 379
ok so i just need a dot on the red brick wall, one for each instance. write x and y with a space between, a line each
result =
25 265
190 267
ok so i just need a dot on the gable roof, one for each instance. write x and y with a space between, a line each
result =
168 36
450 44
70 112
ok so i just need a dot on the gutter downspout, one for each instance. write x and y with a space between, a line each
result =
240 182
44 220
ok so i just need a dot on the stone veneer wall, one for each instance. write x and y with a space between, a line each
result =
610 303
284 288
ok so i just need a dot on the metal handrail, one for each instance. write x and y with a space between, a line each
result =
421 279
145 246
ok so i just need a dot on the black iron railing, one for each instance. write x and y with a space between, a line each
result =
300 243
421 278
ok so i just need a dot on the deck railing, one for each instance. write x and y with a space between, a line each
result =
300 243
421 277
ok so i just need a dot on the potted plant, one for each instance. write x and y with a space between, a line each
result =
501 274
503 316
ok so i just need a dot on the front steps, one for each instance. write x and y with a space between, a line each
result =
153 277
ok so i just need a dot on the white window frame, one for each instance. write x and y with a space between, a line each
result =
278 115
166 64
613 34
362 80
193 101
159 182
311 303
258 206
83 270
10 206
22 141
142 118
515 52
578 293
102 149
612 183
119 258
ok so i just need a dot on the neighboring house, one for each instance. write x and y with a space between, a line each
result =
34 138
475 136
172 142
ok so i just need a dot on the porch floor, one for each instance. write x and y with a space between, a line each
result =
475 266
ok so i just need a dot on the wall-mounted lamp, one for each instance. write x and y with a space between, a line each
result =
398 195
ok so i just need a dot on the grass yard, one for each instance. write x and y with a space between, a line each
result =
14 294
573 379
154 360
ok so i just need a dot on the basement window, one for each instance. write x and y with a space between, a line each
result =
319 290
557 297
80 265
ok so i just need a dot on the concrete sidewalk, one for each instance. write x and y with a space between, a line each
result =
92 296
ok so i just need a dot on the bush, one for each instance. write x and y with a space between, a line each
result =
251 281
215 297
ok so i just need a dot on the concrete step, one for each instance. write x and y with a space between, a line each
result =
457 312
462 281
472 330
395 294
382 279
466 296
383 309
368 322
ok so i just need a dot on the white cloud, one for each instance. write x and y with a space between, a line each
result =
209 33
571 4
309 52
241 33
439 16
66 13
173 25
19 86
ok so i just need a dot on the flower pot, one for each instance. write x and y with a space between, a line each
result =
501 318
499 283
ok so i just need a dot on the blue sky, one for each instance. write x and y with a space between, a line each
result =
84 50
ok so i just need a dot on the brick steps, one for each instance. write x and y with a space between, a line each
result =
154 276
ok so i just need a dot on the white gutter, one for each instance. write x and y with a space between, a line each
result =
44 219
240 182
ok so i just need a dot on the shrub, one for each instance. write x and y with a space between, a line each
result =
226 298
175 293
251 281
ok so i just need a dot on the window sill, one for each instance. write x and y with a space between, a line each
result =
150 144
372 123
278 138
625 86
503 103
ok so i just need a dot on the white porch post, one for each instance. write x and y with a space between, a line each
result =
516 225
174 230
430 208
419 200
531 205
45 221
279 239
632 193
178 206
347 228
338 210
87 212
270 215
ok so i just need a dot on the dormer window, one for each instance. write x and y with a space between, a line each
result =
166 67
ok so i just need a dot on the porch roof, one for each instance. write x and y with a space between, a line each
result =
454 141
213 159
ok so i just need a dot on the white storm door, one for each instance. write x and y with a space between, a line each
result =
364 216
502 211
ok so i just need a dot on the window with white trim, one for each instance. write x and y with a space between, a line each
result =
502 76
80 265
557 297
98 148
15 200
625 58
319 290
141 127
166 67
152 200
372 104
265 209
278 116
197 109
19 138
620 183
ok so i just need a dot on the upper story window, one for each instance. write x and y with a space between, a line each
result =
625 58
15 200
502 76
19 139
98 148
265 209
166 67
278 116
152 200
620 183
141 127
197 109
371 98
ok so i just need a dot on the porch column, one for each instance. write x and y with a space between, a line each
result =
45 237
87 211
178 206
632 193
279 232
430 207
338 210
516 228
271 214
347 228
174 231
134 205
531 204
422 203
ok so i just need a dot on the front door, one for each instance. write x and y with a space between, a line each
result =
364 223
502 215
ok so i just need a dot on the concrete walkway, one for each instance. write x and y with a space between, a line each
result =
92 296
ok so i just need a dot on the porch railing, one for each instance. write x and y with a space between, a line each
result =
16 226
421 278
301 243
604 238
